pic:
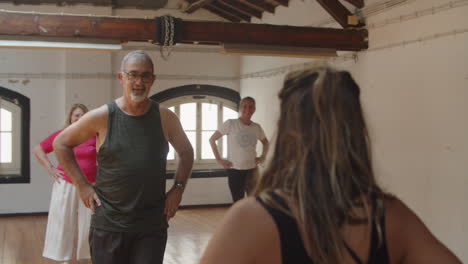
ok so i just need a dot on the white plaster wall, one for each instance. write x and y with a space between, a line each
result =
205 191
184 68
46 116
94 90
414 98
39 75
50 96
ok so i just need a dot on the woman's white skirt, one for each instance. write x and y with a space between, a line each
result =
68 222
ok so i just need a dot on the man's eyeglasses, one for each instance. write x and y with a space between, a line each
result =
145 77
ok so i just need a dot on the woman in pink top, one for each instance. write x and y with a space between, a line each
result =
68 217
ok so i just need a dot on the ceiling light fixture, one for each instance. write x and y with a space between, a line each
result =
56 43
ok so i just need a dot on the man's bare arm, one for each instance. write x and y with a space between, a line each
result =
72 136
178 139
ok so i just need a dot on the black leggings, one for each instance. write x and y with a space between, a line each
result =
241 182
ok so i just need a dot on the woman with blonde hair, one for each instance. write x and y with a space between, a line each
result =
68 217
318 200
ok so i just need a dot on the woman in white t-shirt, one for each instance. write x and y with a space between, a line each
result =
242 159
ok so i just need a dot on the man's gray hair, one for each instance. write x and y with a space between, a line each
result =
138 55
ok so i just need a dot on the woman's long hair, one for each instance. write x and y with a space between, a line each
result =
70 112
322 160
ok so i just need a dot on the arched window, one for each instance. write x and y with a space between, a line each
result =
14 137
201 110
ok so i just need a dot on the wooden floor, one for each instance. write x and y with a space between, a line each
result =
22 237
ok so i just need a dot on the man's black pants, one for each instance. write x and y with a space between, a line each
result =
109 247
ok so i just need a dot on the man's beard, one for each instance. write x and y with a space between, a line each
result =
138 96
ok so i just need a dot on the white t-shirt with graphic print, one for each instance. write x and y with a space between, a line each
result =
242 142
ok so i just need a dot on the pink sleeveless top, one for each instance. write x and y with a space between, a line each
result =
85 156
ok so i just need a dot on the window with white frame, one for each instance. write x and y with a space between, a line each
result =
200 117
10 138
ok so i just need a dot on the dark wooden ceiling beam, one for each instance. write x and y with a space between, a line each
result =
356 3
195 5
225 8
243 8
282 2
222 14
340 13
134 29
274 35
37 25
146 4
261 5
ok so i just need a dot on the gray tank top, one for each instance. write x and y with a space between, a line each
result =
131 176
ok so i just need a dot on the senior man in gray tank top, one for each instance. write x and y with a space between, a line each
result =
129 202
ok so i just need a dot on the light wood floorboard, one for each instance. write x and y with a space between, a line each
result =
22 237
